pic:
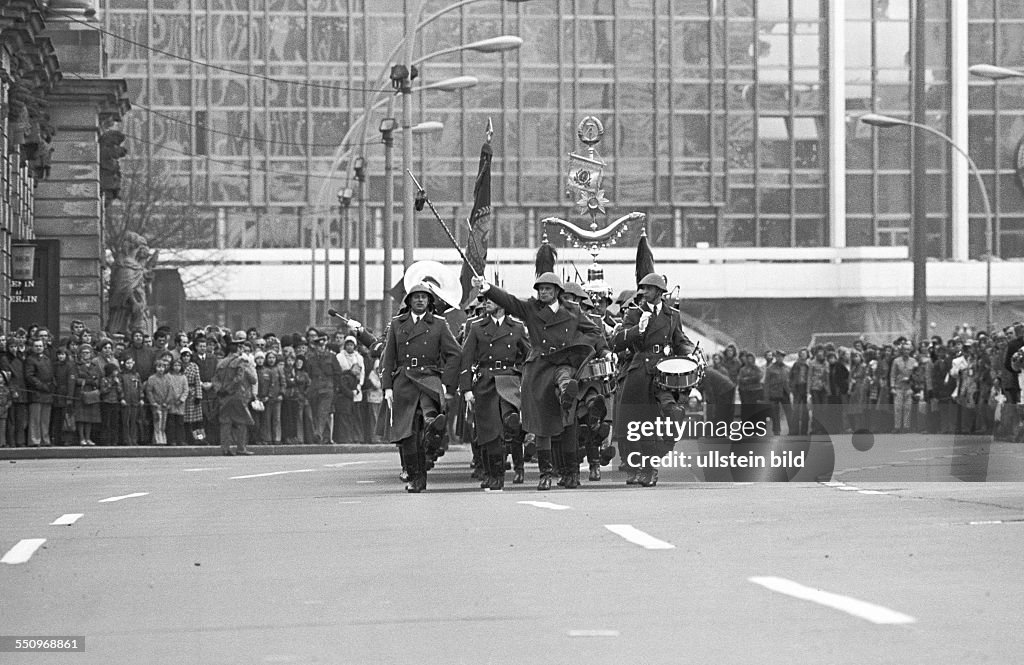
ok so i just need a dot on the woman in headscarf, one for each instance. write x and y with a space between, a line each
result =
347 427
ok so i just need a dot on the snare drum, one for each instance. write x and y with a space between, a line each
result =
679 373
599 369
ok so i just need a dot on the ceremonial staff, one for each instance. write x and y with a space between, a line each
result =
421 195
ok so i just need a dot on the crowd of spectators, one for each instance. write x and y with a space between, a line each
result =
89 388
967 384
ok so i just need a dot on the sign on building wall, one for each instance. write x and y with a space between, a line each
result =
35 284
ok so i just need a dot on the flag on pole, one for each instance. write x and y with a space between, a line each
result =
479 222
644 257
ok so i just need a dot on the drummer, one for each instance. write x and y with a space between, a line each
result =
652 332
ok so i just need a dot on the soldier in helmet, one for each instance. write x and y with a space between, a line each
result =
560 337
418 369
651 332
496 347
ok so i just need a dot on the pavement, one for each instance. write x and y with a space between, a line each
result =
314 559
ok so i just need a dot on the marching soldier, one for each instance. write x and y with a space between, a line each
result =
496 347
651 332
560 337
419 365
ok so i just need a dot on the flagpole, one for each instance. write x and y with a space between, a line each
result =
423 193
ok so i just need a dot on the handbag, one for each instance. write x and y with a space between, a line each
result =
90 397
257 405
69 421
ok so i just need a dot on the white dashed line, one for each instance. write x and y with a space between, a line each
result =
205 468
545 504
67 520
272 473
979 522
638 537
365 482
858 608
342 464
593 633
126 496
843 487
23 551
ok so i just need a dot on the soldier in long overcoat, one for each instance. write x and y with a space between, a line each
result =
651 332
496 346
419 367
558 331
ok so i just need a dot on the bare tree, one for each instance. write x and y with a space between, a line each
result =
153 204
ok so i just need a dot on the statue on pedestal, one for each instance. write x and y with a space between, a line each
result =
130 284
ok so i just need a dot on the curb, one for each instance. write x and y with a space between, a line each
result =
88 452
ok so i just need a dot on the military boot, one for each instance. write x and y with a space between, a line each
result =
545 468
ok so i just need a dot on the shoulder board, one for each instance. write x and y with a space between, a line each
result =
515 319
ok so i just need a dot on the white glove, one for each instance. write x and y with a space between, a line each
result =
469 398
480 283
354 325
389 397
645 318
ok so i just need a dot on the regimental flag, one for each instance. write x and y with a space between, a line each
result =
479 224
545 261
644 258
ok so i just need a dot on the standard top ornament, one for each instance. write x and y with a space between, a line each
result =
590 130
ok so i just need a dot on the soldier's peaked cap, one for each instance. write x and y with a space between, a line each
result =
654 279
549 278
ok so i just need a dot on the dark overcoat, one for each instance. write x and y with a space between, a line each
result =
491 358
664 331
418 358
549 332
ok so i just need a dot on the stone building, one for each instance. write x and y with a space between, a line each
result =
58 153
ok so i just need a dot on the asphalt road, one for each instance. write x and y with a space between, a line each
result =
214 560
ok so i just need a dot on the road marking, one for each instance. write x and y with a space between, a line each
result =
205 468
67 520
922 450
638 537
594 633
872 492
1011 521
349 502
341 464
365 482
126 496
23 551
272 473
545 504
858 608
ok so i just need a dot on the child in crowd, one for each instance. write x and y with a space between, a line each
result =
159 393
131 403
304 420
110 405
176 405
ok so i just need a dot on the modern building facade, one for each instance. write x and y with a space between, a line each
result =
733 124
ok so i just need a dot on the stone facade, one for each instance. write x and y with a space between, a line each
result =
56 109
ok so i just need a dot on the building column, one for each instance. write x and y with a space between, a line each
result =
69 205
837 122
959 171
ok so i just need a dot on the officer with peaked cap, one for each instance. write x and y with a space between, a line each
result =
419 367
561 337
651 332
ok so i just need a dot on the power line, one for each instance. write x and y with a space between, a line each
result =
228 70
223 161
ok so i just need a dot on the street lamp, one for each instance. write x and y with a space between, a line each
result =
413 25
345 197
884 122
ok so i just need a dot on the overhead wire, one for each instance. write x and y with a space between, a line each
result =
228 70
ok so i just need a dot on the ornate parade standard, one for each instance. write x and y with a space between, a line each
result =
584 183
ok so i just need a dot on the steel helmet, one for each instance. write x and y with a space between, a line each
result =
420 287
572 288
549 278
654 279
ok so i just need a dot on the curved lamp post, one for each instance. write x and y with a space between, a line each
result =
884 122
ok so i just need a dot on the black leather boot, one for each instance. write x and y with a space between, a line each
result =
595 471
545 468
412 468
497 473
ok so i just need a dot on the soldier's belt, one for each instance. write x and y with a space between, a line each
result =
497 366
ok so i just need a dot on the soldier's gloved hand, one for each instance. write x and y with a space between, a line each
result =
480 283
607 354
355 325
469 398
389 397
645 319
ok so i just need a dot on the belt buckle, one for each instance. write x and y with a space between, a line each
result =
657 348
414 362
551 349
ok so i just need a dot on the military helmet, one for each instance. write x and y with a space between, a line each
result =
420 287
574 289
654 279
549 278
